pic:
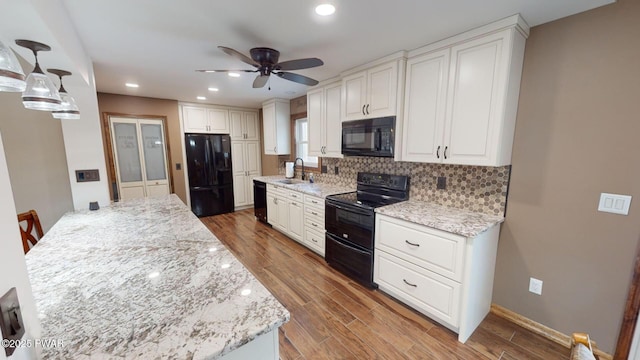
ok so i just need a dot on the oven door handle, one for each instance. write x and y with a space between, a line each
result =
336 239
350 209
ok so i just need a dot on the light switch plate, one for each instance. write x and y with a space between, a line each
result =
614 203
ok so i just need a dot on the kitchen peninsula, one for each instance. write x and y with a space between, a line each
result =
146 279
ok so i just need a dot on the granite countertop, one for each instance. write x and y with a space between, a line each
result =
145 279
321 190
456 221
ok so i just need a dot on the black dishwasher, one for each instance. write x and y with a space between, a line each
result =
260 200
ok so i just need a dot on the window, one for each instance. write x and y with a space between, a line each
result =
302 142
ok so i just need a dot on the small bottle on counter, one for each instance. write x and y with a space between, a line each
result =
311 178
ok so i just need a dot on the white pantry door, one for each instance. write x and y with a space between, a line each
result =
140 156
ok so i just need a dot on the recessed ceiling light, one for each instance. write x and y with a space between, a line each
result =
234 74
209 71
325 9
132 85
213 89
201 98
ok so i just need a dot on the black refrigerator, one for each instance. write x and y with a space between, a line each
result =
210 175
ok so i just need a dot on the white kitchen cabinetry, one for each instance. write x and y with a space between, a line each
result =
277 127
461 97
445 276
314 232
372 92
297 215
244 125
246 166
325 121
207 120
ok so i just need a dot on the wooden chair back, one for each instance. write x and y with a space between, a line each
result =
32 223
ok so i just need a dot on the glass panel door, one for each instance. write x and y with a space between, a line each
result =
153 151
126 138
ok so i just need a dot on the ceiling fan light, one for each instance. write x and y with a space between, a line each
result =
325 9
11 74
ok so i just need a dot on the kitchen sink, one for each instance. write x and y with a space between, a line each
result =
290 181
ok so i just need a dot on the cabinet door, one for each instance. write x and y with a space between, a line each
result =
316 126
252 126
474 95
269 126
424 107
272 209
382 83
283 213
238 150
296 220
252 153
218 121
236 125
333 121
354 97
195 119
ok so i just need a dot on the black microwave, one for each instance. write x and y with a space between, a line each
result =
369 137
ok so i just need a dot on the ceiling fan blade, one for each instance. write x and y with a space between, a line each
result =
260 81
299 64
297 78
238 55
215 71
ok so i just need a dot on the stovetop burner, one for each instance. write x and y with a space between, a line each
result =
375 190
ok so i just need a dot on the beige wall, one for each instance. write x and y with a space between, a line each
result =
577 135
34 147
134 105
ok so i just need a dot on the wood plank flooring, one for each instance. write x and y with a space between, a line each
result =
333 317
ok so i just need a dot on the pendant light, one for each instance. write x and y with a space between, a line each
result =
68 108
41 93
11 74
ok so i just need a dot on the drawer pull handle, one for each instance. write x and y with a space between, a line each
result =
313 201
314 240
412 244
410 284
314 224
314 213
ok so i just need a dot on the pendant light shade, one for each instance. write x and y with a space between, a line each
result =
40 93
11 74
68 108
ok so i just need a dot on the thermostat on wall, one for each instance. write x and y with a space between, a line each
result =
87 175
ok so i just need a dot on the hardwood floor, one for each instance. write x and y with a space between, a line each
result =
333 317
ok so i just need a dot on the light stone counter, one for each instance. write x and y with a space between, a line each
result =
145 279
321 190
456 221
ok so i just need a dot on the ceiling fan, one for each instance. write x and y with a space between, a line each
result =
265 60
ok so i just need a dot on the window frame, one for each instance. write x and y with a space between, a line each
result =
292 155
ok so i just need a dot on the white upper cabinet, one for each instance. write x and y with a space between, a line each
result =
244 125
424 109
461 100
372 92
325 124
276 124
203 119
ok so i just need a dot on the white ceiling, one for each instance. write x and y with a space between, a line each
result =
159 43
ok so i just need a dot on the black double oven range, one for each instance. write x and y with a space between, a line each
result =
350 223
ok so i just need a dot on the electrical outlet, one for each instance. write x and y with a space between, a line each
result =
336 170
441 183
535 286
323 169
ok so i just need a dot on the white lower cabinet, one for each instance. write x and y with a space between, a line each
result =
297 215
445 276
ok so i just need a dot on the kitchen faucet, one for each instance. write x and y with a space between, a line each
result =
294 165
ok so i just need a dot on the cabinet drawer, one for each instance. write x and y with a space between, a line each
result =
274 189
313 224
314 240
427 292
296 196
314 213
438 251
314 201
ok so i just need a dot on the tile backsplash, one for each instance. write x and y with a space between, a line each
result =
475 188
